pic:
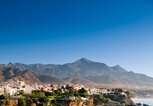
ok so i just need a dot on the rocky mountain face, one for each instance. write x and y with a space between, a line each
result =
11 73
82 71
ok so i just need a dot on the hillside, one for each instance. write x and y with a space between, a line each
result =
82 71
9 73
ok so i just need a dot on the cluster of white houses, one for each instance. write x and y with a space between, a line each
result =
14 87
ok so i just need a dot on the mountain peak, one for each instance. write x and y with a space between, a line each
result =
84 60
119 68
10 63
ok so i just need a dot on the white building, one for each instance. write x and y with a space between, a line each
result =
28 89
11 91
1 91
97 91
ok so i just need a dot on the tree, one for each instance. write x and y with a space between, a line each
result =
49 93
21 101
82 92
127 93
29 101
2 97
21 92
37 94
7 99
58 92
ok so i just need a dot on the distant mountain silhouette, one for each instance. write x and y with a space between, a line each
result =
82 71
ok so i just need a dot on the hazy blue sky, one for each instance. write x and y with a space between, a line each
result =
61 31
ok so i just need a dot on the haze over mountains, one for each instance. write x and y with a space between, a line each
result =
82 71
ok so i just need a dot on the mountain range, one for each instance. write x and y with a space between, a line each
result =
82 71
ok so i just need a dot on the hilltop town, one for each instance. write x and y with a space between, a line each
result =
19 93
